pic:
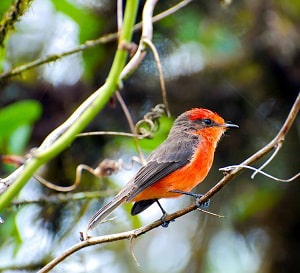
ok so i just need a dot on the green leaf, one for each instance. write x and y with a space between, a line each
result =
18 114
10 230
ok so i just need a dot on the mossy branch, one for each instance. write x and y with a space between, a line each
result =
16 10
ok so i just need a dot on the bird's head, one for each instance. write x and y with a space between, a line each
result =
205 118
203 122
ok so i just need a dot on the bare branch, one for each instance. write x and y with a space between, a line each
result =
150 119
132 251
229 168
52 58
105 168
146 33
277 141
131 125
277 148
160 73
60 198
211 213
110 133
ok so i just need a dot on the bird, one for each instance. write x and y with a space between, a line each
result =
175 167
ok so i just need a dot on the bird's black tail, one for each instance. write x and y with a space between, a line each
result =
141 206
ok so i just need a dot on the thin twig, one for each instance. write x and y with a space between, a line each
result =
54 187
110 133
169 11
105 168
120 15
276 150
132 251
131 125
147 33
60 198
256 171
160 73
211 213
150 119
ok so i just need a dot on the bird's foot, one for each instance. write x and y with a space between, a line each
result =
201 205
165 223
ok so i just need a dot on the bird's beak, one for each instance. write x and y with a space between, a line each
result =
229 125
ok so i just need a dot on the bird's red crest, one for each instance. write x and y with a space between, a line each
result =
201 113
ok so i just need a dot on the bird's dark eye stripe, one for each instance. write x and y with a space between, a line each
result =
207 121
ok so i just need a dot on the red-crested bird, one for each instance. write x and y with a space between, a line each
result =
178 165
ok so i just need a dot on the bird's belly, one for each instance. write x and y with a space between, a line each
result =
183 179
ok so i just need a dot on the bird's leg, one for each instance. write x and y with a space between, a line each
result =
163 218
203 205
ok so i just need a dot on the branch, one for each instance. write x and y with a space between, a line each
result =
277 142
146 33
88 44
261 172
15 11
279 138
160 73
144 128
131 125
62 136
64 198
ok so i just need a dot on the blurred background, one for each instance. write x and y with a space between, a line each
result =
241 60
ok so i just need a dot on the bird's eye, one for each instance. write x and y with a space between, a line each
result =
207 121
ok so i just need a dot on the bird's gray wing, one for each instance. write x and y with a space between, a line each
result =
167 158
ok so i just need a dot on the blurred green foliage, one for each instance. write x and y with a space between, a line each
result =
88 22
5 4
16 121
159 136
11 231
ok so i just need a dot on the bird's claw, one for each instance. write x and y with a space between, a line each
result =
201 205
84 236
165 223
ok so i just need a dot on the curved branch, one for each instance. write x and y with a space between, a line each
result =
62 136
131 125
160 73
146 33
